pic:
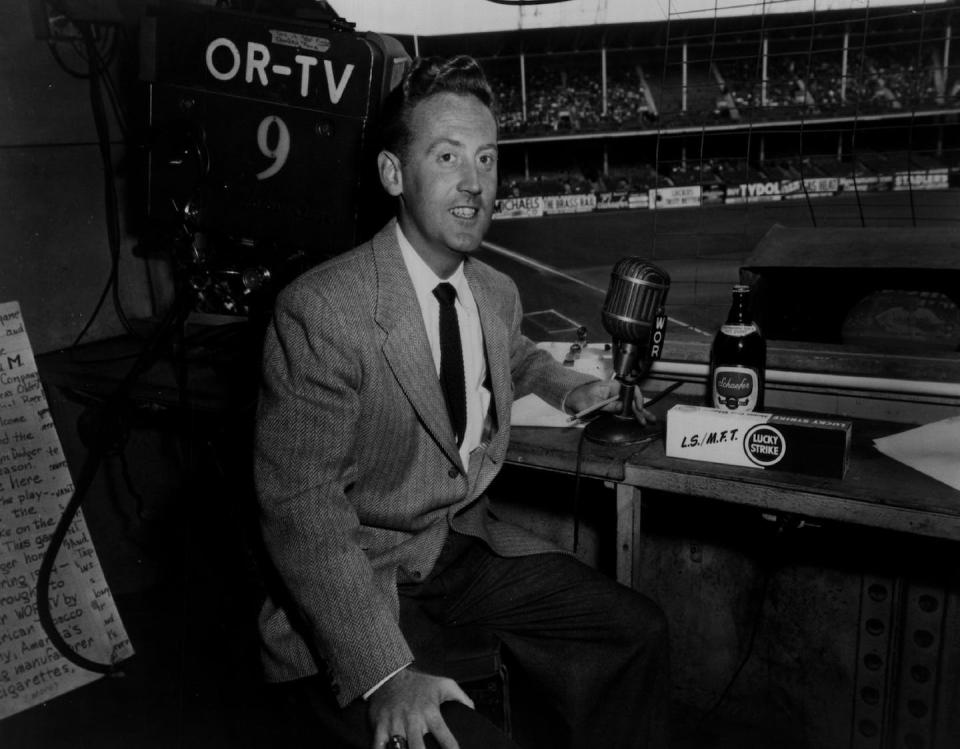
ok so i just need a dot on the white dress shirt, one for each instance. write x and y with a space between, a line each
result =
471 338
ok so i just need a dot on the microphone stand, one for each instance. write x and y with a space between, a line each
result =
622 427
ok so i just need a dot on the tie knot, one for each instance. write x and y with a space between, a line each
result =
445 294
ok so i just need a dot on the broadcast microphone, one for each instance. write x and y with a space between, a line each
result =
633 314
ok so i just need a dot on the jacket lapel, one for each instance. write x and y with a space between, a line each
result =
404 341
496 345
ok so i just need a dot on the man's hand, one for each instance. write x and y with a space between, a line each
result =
408 705
593 392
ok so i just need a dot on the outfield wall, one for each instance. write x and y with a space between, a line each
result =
692 196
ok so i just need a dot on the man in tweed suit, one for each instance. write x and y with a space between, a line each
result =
372 498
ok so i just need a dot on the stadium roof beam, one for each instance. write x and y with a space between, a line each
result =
722 32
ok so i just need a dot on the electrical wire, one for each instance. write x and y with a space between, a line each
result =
98 47
54 46
748 652
103 440
767 564
111 286
579 462
710 63
913 117
803 111
102 66
856 120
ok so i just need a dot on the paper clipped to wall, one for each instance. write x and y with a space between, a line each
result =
35 486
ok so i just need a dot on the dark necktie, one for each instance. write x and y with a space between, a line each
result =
451 360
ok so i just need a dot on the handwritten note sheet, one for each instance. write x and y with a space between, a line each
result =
35 486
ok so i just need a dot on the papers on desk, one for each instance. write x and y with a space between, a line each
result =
533 411
933 449
593 359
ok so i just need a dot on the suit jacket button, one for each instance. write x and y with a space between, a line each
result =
453 473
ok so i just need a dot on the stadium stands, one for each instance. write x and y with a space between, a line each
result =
717 108
757 77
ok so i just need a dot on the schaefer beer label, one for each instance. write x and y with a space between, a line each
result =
738 331
735 388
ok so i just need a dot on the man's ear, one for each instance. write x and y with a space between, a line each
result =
391 174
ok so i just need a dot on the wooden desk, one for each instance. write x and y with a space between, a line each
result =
557 450
903 625
877 491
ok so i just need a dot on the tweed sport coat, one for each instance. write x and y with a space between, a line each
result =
358 474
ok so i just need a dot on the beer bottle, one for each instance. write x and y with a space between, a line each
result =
737 359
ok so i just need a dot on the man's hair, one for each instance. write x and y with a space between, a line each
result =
427 77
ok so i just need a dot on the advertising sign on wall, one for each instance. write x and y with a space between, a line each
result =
754 192
864 183
809 187
529 206
612 201
713 194
574 203
927 179
675 197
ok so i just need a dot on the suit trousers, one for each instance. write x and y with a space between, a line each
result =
596 651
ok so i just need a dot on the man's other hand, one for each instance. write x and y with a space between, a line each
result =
408 705
591 393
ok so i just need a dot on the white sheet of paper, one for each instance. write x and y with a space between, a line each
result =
35 486
933 449
533 411
594 359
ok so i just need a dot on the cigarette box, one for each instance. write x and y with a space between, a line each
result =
807 444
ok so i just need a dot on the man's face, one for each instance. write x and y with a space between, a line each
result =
447 179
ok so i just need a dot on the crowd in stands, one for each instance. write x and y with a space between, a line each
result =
569 98
816 86
561 100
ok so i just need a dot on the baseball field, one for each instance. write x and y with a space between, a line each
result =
562 263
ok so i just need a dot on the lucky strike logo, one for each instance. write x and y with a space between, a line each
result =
764 445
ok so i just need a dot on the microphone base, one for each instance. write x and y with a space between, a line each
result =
614 429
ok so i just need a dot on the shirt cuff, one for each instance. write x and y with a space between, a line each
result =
384 680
